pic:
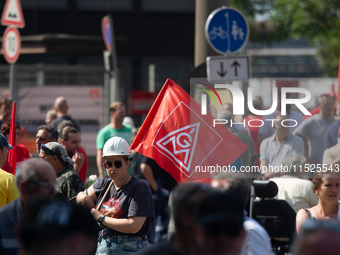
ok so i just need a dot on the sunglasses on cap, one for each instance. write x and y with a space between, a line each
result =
117 164
47 150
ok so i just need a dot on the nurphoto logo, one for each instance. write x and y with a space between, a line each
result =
238 103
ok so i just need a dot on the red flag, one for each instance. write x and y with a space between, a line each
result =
12 140
338 93
181 140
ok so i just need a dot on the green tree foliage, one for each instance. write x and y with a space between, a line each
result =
318 21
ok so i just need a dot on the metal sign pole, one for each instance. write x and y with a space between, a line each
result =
114 79
12 81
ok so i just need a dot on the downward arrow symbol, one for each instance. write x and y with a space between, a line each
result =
222 72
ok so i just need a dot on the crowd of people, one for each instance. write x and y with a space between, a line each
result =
46 206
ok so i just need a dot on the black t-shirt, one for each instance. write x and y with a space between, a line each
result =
133 199
137 160
156 169
167 181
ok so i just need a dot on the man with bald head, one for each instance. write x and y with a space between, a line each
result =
61 108
34 178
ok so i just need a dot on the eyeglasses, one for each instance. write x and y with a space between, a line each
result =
215 229
42 185
47 150
117 164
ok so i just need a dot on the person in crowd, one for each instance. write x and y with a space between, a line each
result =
274 149
220 221
69 138
50 116
331 156
61 108
69 183
56 227
247 140
122 204
242 128
257 241
331 135
266 130
5 110
313 129
147 169
326 185
80 151
317 237
252 121
21 151
34 178
185 201
316 110
129 121
8 189
44 135
292 187
115 128
151 172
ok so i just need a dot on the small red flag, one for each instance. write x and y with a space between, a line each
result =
12 140
181 140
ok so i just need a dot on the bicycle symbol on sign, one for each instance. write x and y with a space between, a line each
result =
218 31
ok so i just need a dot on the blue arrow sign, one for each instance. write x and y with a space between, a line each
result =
227 30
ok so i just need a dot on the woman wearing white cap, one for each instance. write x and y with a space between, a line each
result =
121 204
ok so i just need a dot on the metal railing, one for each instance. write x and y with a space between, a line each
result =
52 75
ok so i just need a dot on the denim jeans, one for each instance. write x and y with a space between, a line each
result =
117 245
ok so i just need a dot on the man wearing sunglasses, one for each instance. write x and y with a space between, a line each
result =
34 178
122 204
69 184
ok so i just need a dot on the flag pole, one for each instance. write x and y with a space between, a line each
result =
12 140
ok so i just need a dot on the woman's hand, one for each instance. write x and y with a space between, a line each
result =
95 213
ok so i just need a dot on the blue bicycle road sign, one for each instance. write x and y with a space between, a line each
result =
226 30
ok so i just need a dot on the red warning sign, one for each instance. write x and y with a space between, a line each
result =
11 44
12 14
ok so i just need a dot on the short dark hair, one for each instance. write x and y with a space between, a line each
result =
65 132
187 197
64 124
236 182
322 96
53 133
